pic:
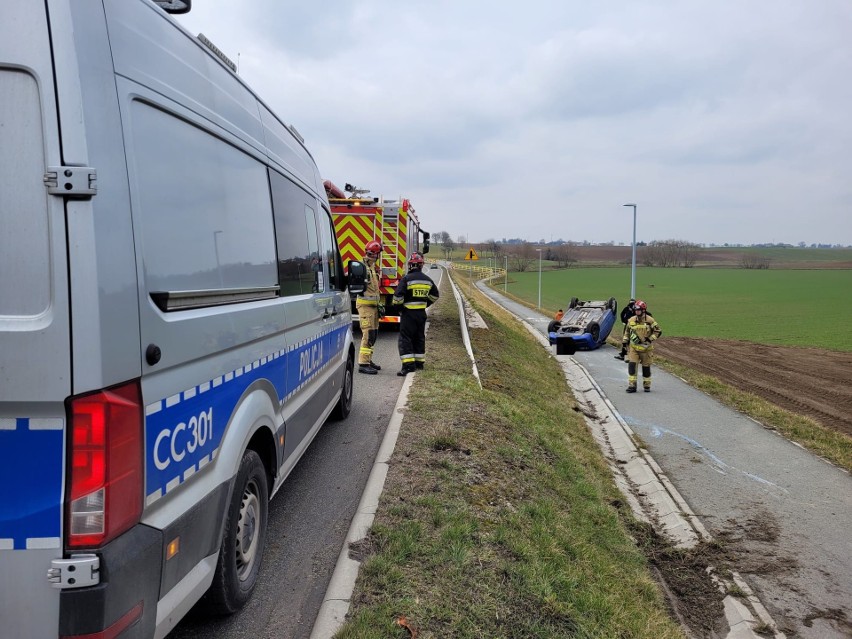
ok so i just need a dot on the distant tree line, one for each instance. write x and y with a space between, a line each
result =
750 260
521 255
670 253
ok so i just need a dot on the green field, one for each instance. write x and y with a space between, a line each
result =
783 307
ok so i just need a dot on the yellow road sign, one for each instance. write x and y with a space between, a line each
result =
471 255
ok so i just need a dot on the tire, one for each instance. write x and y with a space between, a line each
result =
612 305
553 326
344 403
573 303
243 539
594 330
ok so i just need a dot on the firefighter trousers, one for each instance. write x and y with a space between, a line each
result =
634 358
412 337
368 319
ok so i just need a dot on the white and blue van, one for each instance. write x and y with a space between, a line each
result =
174 320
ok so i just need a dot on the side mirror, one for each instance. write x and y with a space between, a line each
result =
426 237
357 279
175 6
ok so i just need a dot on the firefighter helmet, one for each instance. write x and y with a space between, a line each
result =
373 248
415 261
640 306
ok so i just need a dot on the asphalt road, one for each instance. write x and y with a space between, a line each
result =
309 517
790 510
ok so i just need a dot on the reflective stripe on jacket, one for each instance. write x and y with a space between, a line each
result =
415 291
642 333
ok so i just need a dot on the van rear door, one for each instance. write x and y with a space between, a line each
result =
34 327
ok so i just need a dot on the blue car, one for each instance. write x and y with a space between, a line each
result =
584 327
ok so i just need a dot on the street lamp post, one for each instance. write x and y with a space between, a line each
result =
633 261
539 278
506 274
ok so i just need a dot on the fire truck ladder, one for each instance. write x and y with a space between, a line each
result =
390 241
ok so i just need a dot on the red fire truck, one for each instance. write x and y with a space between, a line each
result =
359 219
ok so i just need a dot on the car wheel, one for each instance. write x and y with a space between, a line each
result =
612 305
553 326
594 330
243 539
573 303
344 403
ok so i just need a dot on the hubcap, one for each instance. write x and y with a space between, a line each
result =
247 530
347 387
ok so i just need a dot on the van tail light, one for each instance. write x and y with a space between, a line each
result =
104 496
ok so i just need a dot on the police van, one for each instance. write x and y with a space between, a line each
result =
174 320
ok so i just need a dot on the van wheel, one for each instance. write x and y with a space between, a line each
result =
243 539
573 303
344 403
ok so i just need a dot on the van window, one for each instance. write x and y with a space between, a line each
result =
299 267
203 207
24 229
335 270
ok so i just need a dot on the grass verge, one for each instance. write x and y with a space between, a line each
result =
499 516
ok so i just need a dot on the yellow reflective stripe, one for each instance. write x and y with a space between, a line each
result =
415 306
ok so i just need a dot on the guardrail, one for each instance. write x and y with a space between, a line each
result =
476 269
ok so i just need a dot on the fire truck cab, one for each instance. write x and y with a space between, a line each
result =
358 219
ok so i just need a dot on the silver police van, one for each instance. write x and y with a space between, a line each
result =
174 320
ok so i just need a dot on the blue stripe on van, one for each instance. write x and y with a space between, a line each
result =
183 431
31 483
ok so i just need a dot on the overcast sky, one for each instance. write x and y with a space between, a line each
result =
723 121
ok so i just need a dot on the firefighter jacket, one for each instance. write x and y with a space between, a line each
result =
641 333
415 291
370 296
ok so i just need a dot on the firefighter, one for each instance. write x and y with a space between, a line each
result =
642 332
367 305
415 292
626 314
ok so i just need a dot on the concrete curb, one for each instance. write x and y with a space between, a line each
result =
338 596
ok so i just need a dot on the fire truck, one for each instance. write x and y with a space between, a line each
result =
359 219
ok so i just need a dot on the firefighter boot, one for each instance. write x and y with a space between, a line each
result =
631 377
406 369
418 366
367 369
622 354
373 364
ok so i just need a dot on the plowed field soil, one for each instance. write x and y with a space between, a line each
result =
807 381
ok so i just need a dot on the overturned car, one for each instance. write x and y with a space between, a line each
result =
584 326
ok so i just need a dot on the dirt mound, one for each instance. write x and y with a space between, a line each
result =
807 381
